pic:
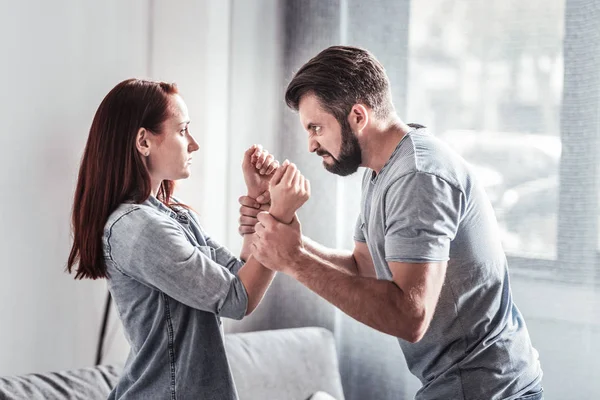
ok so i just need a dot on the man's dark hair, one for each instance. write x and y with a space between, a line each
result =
341 76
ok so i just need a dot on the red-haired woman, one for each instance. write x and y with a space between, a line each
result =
170 281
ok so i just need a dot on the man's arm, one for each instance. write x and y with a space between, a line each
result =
402 307
357 262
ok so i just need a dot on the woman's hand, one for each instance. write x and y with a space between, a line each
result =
258 167
289 191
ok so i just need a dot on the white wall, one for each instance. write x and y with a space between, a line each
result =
59 59
190 45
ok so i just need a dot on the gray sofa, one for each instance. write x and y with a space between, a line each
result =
286 364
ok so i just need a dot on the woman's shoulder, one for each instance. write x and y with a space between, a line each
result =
132 216
183 210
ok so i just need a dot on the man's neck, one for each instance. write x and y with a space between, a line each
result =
380 143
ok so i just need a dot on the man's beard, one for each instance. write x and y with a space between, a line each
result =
350 156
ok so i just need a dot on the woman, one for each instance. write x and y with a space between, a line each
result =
170 281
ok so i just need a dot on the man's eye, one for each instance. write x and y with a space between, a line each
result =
316 129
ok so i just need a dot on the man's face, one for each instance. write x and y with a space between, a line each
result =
336 143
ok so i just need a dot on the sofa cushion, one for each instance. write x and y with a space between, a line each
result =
85 384
321 396
286 364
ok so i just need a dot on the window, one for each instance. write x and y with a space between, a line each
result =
487 77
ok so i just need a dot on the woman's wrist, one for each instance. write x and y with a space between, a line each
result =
281 216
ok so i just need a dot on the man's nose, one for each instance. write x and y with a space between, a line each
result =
313 145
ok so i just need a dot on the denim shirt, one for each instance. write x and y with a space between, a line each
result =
171 284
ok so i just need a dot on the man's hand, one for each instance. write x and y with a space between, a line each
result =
289 191
249 209
258 166
276 245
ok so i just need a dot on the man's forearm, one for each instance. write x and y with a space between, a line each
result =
380 304
342 260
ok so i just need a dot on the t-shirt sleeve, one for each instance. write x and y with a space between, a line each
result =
358 232
422 214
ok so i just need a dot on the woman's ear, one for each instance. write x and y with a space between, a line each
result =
358 118
142 143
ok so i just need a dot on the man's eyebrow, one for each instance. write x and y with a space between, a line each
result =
185 122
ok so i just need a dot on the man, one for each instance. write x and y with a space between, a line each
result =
427 266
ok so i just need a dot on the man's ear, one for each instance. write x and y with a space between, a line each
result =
358 118
142 144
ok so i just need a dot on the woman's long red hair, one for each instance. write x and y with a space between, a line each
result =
112 170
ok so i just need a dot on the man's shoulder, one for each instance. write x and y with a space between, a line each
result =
433 156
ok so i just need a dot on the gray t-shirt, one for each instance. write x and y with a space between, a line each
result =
426 205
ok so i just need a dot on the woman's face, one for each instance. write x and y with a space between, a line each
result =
170 154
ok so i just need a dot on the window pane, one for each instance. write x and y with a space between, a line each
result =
487 77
